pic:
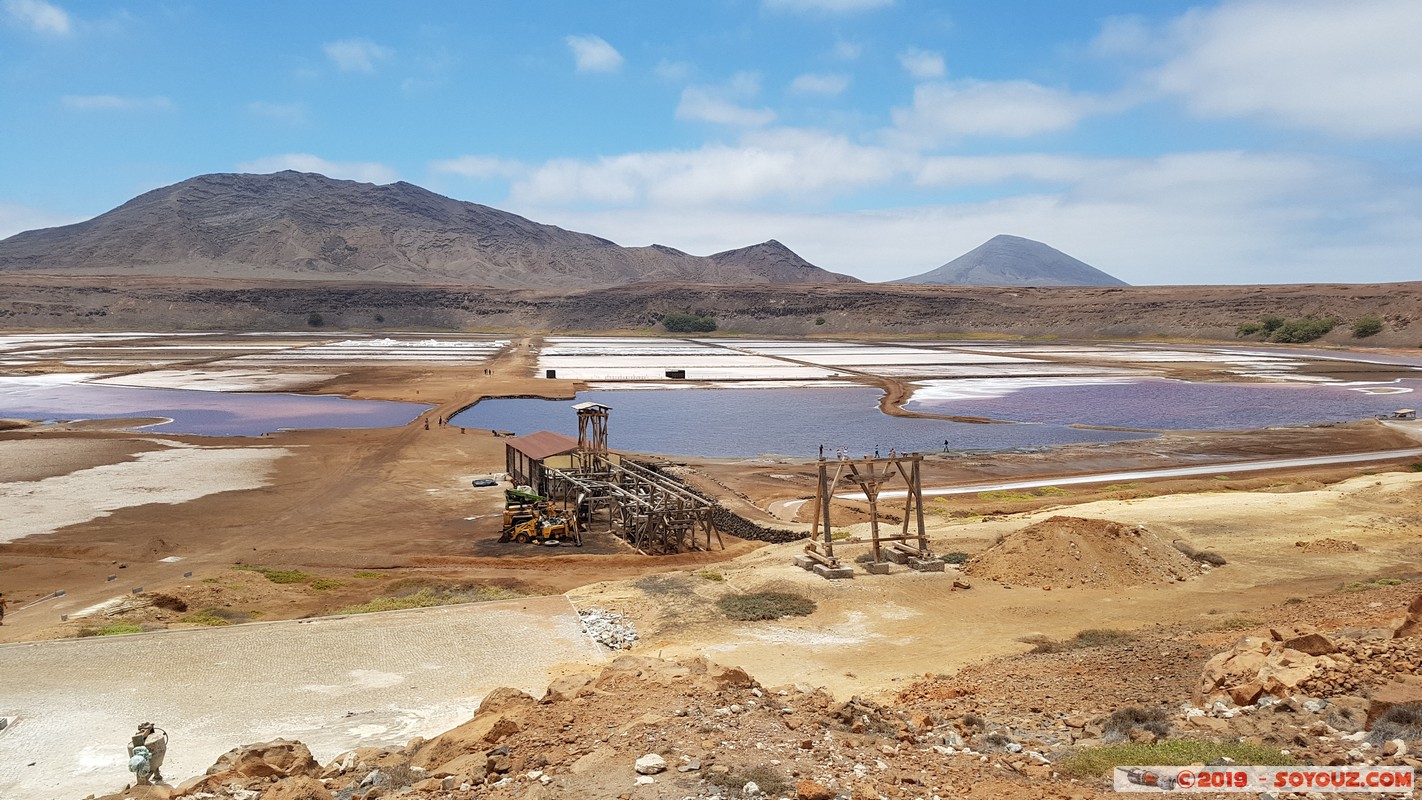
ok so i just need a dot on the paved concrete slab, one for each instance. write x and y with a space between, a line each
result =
335 683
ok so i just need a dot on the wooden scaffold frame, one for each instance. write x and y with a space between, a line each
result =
870 476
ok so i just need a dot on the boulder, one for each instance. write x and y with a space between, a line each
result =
1412 625
302 787
651 764
1406 690
568 687
1256 667
278 758
1314 644
810 790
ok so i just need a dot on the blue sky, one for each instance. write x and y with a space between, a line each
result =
1248 141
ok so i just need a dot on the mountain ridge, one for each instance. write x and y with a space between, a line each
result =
306 226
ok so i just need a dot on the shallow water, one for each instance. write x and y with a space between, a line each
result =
197 412
1160 404
729 423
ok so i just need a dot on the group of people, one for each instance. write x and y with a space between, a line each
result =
841 455
439 421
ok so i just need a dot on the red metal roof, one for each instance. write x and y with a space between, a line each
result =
543 444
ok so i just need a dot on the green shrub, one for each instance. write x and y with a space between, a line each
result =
1367 326
1416 467
1091 637
1124 720
1298 331
326 584
205 618
710 575
819 320
1248 328
1237 623
1363 586
765 605
1095 762
110 630
1004 495
771 780
315 320
1271 323
678 322
429 597
365 573
275 575
1402 721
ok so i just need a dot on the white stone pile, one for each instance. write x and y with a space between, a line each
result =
608 628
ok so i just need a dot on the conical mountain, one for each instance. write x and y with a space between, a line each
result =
293 225
1014 261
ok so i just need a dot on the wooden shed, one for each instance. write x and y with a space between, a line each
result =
525 456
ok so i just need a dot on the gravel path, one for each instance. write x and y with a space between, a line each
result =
334 683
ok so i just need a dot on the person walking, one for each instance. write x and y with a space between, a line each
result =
3 603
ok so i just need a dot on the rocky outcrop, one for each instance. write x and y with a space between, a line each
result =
1306 662
257 765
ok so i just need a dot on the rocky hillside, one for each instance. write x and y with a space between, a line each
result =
309 227
1014 261
1041 725
1206 312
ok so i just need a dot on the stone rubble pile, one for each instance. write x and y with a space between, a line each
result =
608 628
1304 661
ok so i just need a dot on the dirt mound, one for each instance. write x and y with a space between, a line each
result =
1070 551
1328 546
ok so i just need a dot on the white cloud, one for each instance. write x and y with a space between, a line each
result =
289 113
673 71
779 163
989 108
113 102
820 83
830 6
480 167
365 171
594 54
356 55
700 103
15 219
1350 70
1125 36
961 171
847 51
923 64
38 16
1211 217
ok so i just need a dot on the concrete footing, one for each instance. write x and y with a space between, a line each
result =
833 573
925 564
877 568
805 562
895 555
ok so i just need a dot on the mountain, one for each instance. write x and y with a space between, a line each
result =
293 225
1014 261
